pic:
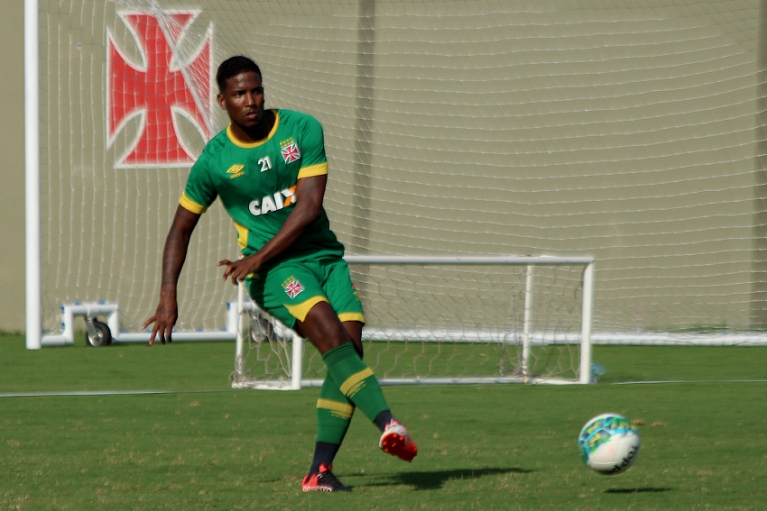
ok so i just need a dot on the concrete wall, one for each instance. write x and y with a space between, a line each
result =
12 163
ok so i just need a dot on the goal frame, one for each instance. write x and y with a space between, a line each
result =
295 380
34 315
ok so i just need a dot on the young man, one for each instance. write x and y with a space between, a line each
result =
270 171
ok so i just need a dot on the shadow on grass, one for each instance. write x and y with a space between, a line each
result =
435 479
637 490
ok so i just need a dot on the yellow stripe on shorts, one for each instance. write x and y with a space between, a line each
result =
352 316
302 309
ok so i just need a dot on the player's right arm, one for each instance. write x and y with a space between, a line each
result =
173 257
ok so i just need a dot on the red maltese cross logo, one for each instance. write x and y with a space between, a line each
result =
293 288
158 89
291 153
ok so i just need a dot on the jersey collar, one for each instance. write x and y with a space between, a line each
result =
250 145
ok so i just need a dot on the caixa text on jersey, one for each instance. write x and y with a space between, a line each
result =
274 202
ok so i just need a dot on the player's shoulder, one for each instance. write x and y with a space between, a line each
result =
215 146
294 117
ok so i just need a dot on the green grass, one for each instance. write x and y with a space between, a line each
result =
481 447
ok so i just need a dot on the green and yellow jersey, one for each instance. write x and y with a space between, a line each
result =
256 183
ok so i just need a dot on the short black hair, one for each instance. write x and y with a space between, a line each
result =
232 67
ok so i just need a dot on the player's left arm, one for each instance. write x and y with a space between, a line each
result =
309 193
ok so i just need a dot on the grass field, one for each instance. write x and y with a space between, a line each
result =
198 445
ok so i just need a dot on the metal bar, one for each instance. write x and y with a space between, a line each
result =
587 318
475 261
34 322
528 316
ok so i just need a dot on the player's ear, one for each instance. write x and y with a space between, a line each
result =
220 99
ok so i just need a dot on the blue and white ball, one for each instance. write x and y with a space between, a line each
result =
609 444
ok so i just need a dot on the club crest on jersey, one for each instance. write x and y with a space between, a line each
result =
292 287
290 151
236 171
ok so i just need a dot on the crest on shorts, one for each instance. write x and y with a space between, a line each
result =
292 287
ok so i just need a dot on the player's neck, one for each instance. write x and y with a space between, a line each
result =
256 133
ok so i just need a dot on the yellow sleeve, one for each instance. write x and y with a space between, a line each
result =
191 205
313 170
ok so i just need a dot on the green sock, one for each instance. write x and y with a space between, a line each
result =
334 413
355 380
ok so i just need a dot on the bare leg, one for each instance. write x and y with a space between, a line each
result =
323 328
354 328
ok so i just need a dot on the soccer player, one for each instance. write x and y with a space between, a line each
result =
270 170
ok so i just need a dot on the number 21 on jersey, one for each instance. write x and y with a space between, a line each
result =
265 163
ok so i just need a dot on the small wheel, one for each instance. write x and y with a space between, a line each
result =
103 335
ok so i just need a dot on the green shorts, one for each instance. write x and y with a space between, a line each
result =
290 289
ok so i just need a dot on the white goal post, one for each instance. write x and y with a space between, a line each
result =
493 312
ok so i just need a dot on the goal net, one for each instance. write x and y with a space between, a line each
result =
446 320
631 133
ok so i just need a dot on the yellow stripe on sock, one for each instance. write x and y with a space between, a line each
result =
353 382
345 410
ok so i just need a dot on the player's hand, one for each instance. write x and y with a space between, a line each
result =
162 322
238 270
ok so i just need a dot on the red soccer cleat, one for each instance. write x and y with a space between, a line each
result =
396 441
323 481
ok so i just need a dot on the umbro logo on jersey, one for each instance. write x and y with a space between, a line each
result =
236 171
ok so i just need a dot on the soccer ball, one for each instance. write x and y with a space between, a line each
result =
609 444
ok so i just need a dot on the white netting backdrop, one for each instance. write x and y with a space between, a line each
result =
628 133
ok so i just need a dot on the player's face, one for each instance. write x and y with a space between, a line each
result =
243 100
